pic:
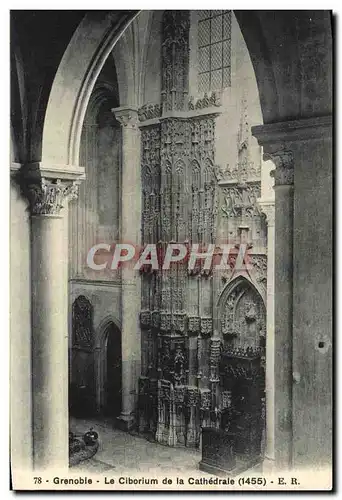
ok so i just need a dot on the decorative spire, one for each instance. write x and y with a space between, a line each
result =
243 141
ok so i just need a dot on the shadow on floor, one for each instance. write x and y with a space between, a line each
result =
127 453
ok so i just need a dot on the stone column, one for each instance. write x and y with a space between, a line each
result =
283 186
131 283
267 207
20 336
277 149
49 287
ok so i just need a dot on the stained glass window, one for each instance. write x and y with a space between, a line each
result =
214 45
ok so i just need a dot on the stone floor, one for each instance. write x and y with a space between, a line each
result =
123 453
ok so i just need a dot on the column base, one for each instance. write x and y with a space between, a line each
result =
268 466
125 422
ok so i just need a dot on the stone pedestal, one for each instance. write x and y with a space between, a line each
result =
217 452
130 285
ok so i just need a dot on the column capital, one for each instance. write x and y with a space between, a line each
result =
127 116
48 187
267 207
51 195
284 171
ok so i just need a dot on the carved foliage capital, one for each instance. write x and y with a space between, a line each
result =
51 195
284 172
47 188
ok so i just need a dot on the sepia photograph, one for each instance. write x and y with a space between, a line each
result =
171 242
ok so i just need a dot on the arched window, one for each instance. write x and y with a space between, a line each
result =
214 45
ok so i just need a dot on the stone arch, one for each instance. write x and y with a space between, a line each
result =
234 290
132 68
103 98
208 172
19 111
178 175
253 35
102 92
195 176
100 361
91 44
100 330
78 71
93 41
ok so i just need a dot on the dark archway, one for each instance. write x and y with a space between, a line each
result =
81 384
113 374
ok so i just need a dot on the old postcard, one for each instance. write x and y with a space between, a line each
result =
171 216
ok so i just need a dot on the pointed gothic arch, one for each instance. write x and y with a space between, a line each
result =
106 327
241 303
242 329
